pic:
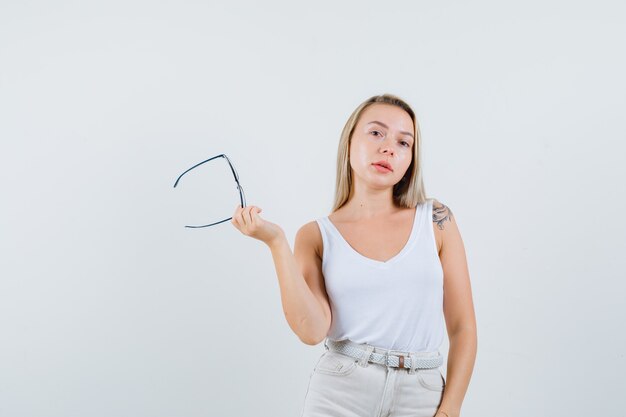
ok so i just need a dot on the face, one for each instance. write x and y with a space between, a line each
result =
384 132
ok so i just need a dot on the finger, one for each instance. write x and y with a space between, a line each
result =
255 215
248 216
242 216
237 216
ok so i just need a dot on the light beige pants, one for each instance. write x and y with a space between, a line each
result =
343 386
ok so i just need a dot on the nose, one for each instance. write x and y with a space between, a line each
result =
386 148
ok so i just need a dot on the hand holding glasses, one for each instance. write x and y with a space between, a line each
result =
239 187
246 219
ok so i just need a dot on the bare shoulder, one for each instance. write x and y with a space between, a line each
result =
441 214
444 223
311 236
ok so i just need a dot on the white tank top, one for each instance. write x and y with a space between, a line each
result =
397 304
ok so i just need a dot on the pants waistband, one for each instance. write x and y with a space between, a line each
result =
366 353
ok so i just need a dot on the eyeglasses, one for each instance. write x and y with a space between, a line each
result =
242 196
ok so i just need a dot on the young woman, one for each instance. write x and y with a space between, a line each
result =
375 279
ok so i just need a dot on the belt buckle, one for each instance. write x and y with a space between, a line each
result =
387 359
401 361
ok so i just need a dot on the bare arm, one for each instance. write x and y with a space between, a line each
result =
458 311
302 290
303 303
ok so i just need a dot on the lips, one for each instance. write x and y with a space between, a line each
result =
383 164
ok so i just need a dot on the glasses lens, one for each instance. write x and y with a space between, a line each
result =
207 194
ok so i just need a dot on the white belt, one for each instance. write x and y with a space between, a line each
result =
395 361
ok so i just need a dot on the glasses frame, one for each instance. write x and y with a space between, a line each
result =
242 196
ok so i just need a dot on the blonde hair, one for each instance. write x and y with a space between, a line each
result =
409 191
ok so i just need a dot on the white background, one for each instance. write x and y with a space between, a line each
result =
110 307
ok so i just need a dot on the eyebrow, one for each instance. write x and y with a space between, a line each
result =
387 127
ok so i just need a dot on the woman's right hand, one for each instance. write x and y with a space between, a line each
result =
248 222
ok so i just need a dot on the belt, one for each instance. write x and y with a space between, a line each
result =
391 360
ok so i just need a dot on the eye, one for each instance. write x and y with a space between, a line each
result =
407 143
375 131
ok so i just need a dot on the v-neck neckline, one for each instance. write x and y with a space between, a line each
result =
376 262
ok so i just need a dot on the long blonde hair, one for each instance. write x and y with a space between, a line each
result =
409 191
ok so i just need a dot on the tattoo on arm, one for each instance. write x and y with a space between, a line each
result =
441 212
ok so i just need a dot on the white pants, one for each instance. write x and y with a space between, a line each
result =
343 386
